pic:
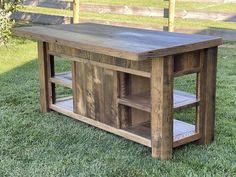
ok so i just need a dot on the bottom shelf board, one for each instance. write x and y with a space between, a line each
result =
65 103
182 132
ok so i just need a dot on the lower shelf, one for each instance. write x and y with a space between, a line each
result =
182 132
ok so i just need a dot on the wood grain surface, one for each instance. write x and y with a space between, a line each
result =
123 42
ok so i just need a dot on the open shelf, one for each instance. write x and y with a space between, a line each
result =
182 132
64 79
142 100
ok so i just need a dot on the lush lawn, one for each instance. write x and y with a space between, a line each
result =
36 144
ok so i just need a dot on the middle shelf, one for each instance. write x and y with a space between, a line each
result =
142 101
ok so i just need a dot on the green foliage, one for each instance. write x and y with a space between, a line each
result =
7 7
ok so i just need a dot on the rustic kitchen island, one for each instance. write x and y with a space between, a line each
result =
122 81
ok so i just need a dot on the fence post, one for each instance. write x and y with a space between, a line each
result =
171 19
75 11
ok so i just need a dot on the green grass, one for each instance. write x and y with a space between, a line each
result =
37 144
135 19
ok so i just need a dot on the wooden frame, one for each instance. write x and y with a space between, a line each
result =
161 107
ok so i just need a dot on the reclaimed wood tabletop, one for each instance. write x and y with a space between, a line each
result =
123 42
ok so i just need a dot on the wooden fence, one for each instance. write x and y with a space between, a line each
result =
137 11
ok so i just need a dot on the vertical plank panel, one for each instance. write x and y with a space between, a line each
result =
90 103
98 92
80 89
43 76
110 98
162 108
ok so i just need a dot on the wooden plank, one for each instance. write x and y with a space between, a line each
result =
183 132
75 11
110 98
186 63
90 100
111 129
98 92
43 76
142 100
226 34
171 19
62 79
159 12
162 108
74 86
81 89
41 18
200 88
65 103
122 42
132 70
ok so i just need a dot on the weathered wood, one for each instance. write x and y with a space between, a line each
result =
183 132
75 11
186 63
103 126
142 101
171 19
124 90
124 96
51 73
138 86
80 89
110 97
128 43
162 108
62 79
208 121
200 92
43 76
99 92
73 85
90 101
145 11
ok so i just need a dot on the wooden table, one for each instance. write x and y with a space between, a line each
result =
122 81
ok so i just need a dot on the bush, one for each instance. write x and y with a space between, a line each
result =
7 7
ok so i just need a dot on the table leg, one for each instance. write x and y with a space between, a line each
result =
43 76
207 89
162 108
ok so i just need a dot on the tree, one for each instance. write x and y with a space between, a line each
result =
7 7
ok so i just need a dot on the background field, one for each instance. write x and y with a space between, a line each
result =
205 17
